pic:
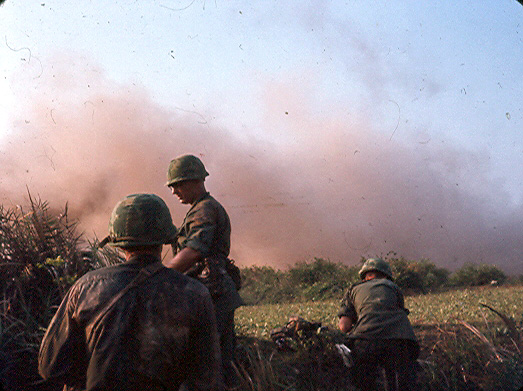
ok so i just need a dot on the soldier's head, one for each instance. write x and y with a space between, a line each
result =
185 177
141 223
375 268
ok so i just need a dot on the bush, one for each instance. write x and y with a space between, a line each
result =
322 279
39 260
264 285
317 280
476 275
306 274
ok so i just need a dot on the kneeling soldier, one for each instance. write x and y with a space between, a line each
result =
374 315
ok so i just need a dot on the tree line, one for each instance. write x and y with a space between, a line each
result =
321 279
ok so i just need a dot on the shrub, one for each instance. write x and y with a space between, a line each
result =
322 279
39 261
476 275
317 280
263 285
309 273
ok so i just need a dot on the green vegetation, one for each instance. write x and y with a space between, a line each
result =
38 262
317 280
417 276
322 280
40 258
470 330
476 275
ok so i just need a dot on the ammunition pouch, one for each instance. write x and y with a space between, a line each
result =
210 272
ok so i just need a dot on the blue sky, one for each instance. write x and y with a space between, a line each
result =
431 89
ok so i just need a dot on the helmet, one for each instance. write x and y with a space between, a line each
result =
375 264
184 168
141 220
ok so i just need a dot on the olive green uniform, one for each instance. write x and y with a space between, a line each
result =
207 229
382 334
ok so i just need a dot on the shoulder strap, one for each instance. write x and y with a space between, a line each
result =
143 275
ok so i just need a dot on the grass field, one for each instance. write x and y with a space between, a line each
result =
430 309
464 345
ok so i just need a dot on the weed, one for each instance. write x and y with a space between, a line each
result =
39 261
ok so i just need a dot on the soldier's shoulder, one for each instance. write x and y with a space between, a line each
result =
356 284
97 275
209 206
390 283
209 200
96 281
350 289
182 283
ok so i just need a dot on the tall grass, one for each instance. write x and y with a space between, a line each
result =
41 255
38 262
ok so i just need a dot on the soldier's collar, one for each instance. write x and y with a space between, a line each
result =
205 195
144 259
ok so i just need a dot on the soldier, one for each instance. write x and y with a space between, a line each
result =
374 315
202 248
136 325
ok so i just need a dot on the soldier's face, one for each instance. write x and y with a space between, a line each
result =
185 191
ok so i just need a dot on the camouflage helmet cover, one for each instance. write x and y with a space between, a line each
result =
185 168
141 220
375 264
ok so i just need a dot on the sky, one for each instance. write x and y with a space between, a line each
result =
330 129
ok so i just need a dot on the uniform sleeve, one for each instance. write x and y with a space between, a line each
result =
347 307
205 369
62 350
202 228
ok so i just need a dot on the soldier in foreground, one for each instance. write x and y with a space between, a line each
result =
203 246
374 315
136 325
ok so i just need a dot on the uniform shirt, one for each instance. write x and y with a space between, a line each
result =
206 228
158 335
377 310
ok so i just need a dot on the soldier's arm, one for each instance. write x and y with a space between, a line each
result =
58 360
203 225
183 260
345 324
199 239
347 313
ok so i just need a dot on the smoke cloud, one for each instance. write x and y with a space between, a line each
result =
315 185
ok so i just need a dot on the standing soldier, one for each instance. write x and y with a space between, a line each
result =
137 325
203 246
374 315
